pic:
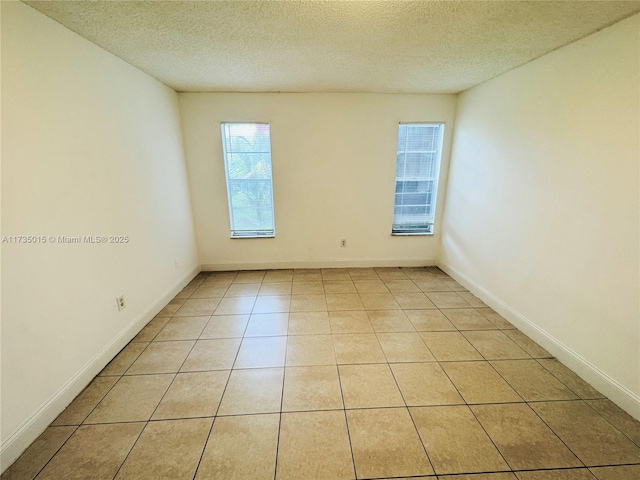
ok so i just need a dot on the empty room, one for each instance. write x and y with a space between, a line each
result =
320 240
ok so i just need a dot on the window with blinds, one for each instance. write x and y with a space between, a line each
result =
417 170
247 162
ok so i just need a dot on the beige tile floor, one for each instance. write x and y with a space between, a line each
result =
334 374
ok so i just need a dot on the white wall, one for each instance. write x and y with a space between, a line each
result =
90 146
542 211
334 159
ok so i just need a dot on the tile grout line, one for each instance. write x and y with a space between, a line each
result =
175 375
346 421
76 427
556 434
415 427
609 421
565 383
284 373
204 448
146 424
477 419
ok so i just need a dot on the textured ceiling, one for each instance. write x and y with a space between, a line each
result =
332 46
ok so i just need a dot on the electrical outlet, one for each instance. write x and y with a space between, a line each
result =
343 243
120 303
176 263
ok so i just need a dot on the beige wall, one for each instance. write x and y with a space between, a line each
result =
542 211
90 146
334 159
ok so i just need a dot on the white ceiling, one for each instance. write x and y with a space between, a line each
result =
332 46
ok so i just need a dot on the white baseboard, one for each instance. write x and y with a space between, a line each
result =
40 419
326 263
608 386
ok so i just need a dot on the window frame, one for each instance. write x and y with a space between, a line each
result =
428 228
234 232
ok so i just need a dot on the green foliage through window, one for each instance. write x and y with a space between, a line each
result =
247 158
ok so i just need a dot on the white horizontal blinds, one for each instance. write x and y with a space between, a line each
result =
417 169
247 159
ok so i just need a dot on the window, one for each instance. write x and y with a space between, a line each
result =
247 162
417 169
